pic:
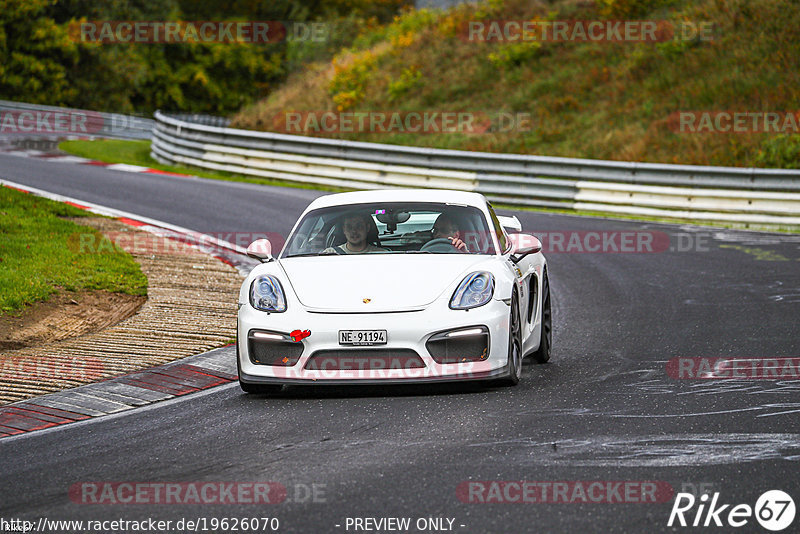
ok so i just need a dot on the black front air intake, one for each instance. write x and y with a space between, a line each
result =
462 345
277 349
364 359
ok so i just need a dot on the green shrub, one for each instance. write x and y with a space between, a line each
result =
410 78
350 80
630 9
515 54
781 151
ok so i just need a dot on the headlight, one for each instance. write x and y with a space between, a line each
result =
266 294
475 290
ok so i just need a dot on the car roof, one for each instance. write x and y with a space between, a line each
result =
443 196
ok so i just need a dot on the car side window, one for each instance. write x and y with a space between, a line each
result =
502 239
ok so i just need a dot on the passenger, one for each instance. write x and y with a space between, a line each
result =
356 230
445 228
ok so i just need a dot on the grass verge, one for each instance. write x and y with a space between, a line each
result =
39 254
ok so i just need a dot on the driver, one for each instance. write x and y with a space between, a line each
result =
445 228
355 229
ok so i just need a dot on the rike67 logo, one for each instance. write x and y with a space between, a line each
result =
774 510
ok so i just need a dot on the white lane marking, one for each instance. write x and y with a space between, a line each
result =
68 159
654 450
127 168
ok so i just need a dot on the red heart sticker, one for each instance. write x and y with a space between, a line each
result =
299 335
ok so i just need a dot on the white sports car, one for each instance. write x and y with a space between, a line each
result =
394 286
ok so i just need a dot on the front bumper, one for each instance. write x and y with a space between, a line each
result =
407 333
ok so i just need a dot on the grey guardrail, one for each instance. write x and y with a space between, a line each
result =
20 118
746 195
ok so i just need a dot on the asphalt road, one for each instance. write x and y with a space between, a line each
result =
604 409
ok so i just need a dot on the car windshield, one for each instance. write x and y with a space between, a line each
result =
391 228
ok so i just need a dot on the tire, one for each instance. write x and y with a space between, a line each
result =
514 345
260 388
542 354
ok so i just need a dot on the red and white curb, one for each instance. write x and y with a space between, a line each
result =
61 157
121 393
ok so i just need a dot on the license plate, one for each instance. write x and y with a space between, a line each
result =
362 337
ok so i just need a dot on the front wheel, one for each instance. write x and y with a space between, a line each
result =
514 345
542 354
247 387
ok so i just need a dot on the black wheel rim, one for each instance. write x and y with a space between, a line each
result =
547 320
516 336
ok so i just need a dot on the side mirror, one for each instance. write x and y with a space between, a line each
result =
260 249
522 245
511 224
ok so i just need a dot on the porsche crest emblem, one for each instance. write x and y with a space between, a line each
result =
367 301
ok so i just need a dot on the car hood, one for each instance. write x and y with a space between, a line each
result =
389 282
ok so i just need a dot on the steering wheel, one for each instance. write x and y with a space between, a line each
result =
440 244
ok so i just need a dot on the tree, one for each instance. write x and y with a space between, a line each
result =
34 54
